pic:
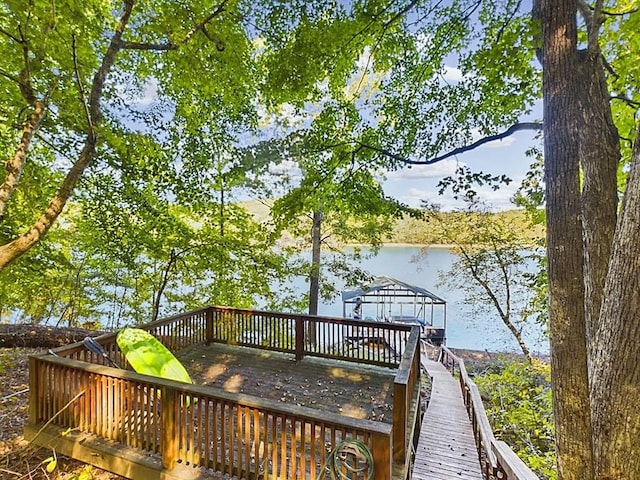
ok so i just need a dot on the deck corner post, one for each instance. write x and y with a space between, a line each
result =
34 393
299 338
399 436
169 438
381 452
209 325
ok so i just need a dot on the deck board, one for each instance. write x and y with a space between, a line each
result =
446 448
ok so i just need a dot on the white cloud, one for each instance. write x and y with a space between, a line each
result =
436 170
143 97
452 74
149 93
286 167
495 200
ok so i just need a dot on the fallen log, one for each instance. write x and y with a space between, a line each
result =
41 336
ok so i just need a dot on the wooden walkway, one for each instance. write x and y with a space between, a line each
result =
446 448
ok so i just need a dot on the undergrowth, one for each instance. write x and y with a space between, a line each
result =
517 398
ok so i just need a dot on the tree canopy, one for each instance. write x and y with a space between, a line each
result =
129 129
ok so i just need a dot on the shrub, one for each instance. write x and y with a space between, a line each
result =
517 398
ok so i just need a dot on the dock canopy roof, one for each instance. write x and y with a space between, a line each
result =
389 285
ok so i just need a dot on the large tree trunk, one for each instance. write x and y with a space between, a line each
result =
599 156
615 379
14 249
564 241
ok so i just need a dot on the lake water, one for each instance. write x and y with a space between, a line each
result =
464 330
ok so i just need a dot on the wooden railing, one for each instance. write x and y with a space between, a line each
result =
499 460
235 434
406 410
302 335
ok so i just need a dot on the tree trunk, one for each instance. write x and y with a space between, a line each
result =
615 379
599 156
564 241
314 277
14 249
163 284
15 166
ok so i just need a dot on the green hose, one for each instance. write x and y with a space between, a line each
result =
347 458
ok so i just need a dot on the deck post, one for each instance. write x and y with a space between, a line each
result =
399 422
381 452
209 325
34 394
169 442
299 338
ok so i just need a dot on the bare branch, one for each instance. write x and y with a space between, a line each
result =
83 97
585 10
400 13
200 27
10 35
149 46
456 151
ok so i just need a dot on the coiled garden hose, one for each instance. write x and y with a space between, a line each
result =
349 457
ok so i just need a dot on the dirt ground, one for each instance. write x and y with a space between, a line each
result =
19 460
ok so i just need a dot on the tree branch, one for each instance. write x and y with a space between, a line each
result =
200 27
83 97
202 24
456 151
593 40
149 46
13 78
17 247
400 13
10 35
14 166
504 26
628 101
620 14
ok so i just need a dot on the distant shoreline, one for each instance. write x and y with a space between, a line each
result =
403 245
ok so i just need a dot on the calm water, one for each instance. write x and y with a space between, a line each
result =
463 329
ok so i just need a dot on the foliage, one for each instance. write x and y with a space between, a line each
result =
517 398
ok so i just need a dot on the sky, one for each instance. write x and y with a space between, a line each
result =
507 156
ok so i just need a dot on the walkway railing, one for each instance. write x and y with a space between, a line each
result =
181 424
499 460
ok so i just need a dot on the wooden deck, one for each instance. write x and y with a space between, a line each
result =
446 448
349 389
